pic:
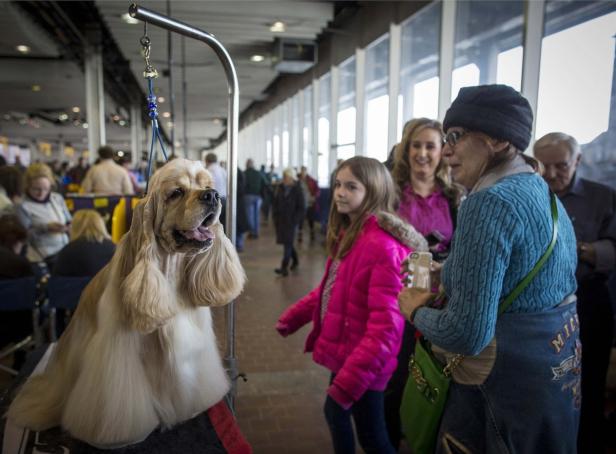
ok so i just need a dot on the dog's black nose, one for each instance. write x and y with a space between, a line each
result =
210 197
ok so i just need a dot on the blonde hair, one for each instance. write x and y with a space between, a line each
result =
402 166
36 171
88 224
380 197
289 172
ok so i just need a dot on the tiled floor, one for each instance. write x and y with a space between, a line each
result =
279 408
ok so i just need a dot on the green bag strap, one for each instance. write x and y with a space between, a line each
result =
546 255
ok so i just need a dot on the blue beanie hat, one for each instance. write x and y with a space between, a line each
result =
496 110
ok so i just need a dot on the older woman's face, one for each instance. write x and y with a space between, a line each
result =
424 152
39 189
468 157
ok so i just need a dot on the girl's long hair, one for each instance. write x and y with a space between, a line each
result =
380 197
402 167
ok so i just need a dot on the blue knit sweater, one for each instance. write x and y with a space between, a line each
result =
502 232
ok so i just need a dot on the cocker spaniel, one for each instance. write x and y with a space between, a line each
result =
140 352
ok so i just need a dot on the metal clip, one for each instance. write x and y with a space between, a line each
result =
150 72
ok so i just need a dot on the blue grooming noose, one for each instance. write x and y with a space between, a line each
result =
150 74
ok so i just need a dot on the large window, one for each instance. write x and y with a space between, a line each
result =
284 120
346 122
576 82
307 129
323 125
377 99
488 44
419 65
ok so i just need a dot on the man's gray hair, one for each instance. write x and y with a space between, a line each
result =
554 138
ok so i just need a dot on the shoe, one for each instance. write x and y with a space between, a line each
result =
282 271
294 265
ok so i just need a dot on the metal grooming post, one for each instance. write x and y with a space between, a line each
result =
173 25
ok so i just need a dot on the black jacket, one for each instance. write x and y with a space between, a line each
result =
287 210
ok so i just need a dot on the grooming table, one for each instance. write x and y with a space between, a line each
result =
212 432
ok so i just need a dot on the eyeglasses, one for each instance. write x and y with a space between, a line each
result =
452 138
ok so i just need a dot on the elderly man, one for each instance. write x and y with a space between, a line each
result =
592 208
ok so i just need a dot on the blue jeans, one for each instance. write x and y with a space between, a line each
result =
253 206
369 416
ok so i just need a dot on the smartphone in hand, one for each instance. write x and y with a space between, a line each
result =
418 270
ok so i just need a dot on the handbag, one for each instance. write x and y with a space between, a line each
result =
427 387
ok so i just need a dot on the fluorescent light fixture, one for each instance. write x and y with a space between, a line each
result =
76 109
129 20
36 88
257 58
23 49
161 99
63 117
166 114
84 126
120 153
217 121
278 27
122 122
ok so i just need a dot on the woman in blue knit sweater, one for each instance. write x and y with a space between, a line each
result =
518 388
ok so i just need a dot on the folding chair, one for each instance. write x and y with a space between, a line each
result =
63 293
17 295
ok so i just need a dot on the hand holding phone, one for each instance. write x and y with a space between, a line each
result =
417 272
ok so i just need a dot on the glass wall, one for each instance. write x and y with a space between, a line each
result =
419 65
345 136
377 99
577 52
488 45
284 120
325 90
307 129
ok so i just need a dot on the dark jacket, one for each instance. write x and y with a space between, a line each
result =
241 216
255 182
13 266
82 258
287 210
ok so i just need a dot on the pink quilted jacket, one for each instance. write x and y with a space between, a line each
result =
360 334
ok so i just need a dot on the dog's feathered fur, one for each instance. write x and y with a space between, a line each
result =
140 351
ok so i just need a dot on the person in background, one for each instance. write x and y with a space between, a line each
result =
11 188
357 327
242 224
592 208
255 186
429 202
107 177
311 195
268 195
14 325
90 247
44 214
287 210
78 172
517 388
126 163
219 175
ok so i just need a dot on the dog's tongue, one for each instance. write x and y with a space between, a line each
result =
201 233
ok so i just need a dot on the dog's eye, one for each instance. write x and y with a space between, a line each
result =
177 192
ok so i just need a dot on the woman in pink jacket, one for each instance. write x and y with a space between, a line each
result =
357 326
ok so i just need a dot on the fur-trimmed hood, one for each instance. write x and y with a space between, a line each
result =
401 230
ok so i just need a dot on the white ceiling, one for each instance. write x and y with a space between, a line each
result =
242 27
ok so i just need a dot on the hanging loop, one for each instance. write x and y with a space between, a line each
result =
149 72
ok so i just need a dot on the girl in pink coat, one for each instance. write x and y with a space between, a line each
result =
357 326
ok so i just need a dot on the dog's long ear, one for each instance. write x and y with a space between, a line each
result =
145 293
215 277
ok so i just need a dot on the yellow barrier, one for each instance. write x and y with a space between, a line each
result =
119 225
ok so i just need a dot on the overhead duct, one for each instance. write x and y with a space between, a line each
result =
294 55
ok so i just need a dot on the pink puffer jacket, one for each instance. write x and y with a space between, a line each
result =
361 331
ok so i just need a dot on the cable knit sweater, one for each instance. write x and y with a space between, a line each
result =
502 231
